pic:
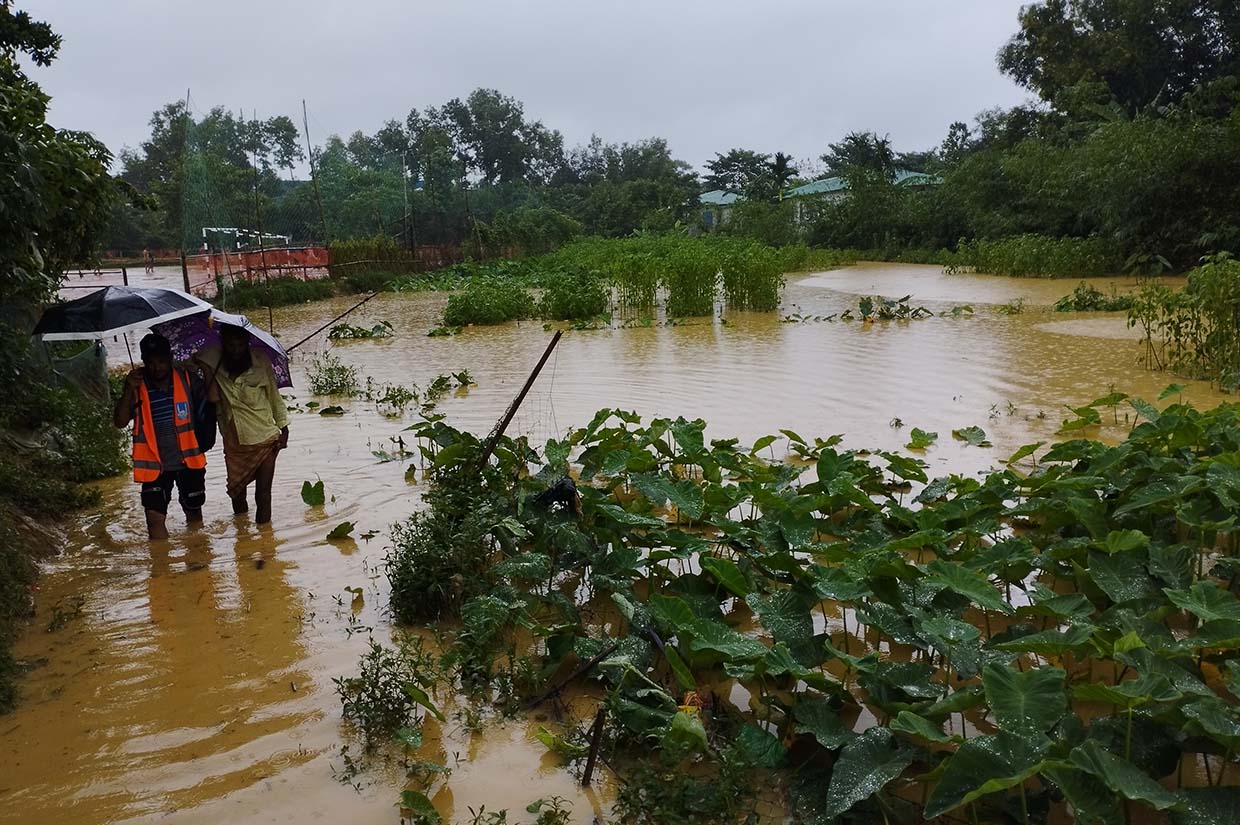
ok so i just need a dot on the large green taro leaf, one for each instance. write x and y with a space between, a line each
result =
1207 601
1121 776
1207 806
973 586
985 765
814 716
865 766
1025 703
727 574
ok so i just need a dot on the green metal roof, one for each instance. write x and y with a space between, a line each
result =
824 186
718 197
818 187
906 178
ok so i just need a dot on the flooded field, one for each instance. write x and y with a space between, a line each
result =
192 681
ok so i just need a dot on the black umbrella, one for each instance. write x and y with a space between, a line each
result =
114 310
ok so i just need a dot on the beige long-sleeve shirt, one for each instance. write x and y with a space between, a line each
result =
251 400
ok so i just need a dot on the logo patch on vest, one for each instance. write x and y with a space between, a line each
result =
182 409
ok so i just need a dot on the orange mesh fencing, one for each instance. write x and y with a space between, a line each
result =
204 271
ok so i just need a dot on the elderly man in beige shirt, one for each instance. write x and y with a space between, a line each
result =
253 420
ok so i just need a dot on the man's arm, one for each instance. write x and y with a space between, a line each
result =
123 413
211 385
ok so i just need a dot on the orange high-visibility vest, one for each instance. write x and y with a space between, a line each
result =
146 463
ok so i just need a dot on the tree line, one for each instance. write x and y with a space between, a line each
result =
1132 140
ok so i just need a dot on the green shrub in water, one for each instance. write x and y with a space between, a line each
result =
1086 298
1037 256
573 295
378 700
488 301
329 375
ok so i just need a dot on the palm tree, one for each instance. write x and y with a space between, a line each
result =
782 171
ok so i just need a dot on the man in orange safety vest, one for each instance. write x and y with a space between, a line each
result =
159 399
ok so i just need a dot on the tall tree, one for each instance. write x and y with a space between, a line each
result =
860 150
55 190
782 170
737 170
956 145
1146 53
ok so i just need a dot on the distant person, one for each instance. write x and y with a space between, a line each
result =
159 399
148 260
252 416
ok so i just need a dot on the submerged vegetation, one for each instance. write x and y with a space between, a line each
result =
570 295
348 332
695 272
328 375
580 282
1086 298
1063 633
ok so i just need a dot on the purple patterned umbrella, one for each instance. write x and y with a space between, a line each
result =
192 333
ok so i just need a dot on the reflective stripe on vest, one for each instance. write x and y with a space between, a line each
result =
146 462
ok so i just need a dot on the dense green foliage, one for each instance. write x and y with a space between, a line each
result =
55 197
406 181
572 295
1092 651
1131 154
55 192
1036 256
692 271
1133 148
1135 55
759 177
485 300
1195 331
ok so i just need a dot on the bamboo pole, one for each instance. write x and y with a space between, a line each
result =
493 439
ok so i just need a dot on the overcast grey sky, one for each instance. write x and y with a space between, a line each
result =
786 75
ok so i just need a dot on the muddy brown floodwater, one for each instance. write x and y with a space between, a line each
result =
195 684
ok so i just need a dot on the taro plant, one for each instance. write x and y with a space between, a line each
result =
348 332
1061 642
